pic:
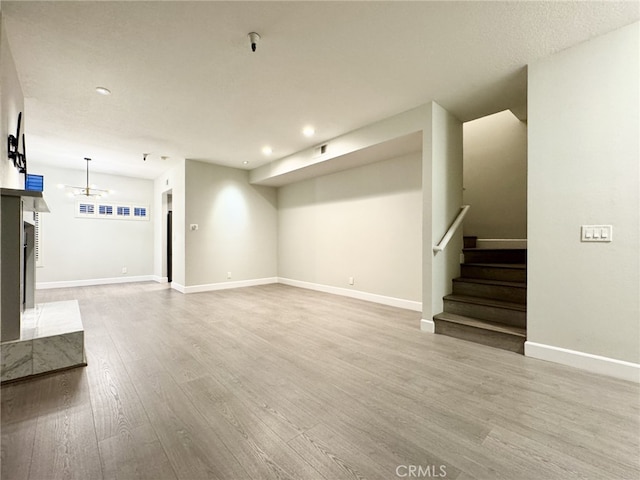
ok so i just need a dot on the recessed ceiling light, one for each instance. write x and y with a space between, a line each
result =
308 131
103 91
246 162
267 150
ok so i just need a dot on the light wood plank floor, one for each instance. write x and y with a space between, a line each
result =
275 382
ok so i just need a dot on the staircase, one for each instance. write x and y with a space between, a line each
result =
488 303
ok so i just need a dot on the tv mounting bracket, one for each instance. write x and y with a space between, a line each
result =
19 159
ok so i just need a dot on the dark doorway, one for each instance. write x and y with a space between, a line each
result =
25 270
169 246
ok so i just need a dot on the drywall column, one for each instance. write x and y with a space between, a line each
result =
583 303
442 199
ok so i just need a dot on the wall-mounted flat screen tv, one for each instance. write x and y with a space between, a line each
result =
34 183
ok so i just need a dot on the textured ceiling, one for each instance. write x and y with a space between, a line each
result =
186 85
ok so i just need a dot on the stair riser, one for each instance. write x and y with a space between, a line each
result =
498 292
494 273
470 242
484 312
504 341
495 256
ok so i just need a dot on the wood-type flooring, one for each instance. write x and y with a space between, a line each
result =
276 382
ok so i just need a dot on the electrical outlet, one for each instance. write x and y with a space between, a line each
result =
351 281
228 275
124 269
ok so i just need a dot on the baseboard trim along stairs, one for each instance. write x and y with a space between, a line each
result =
585 361
488 302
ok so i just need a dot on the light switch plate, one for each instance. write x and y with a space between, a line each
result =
596 233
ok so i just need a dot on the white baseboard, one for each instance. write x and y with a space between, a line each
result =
428 326
226 285
159 279
502 243
93 281
585 361
345 292
178 287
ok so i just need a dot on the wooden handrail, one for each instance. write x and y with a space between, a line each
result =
452 229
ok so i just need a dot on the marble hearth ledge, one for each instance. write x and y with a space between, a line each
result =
52 338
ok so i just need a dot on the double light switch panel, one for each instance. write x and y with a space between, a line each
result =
597 233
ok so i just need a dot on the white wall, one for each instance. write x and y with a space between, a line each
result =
495 176
323 260
11 104
84 249
237 226
442 197
363 223
584 162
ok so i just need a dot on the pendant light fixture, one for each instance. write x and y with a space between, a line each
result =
86 191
